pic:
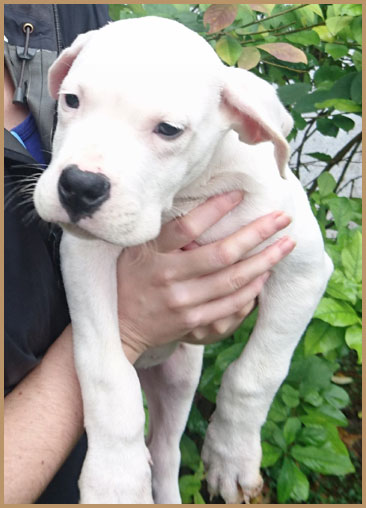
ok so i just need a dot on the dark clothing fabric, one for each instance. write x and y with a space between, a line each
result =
54 27
35 305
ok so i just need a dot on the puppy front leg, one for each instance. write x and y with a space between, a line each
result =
116 468
232 447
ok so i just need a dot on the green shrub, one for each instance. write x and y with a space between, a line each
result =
312 53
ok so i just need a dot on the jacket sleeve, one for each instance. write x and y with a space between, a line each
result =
36 311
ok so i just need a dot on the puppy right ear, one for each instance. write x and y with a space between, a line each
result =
63 63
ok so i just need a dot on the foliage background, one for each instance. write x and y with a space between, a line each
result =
312 54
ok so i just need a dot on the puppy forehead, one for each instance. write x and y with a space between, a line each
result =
152 89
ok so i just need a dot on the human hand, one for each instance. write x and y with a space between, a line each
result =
199 295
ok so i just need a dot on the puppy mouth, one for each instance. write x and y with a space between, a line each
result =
77 230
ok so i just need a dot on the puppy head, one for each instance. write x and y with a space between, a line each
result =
142 106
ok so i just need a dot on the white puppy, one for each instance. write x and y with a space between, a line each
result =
150 120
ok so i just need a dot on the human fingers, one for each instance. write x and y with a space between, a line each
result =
221 328
182 231
226 281
206 314
223 253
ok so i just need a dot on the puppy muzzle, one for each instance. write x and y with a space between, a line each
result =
82 193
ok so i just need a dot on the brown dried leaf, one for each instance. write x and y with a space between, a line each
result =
219 16
284 51
264 8
350 440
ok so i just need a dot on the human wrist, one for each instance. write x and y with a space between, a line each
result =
132 352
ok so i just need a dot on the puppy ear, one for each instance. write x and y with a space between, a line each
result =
63 63
256 113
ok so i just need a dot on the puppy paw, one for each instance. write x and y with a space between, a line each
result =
112 479
232 463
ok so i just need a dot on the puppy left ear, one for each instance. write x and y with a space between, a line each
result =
256 113
61 66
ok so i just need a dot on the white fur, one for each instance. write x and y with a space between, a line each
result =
130 76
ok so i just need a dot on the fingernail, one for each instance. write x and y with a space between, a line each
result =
235 196
287 244
281 219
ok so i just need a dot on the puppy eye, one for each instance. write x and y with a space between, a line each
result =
167 130
72 100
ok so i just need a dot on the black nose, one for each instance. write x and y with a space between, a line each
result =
82 192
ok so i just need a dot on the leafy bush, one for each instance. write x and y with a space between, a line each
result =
312 53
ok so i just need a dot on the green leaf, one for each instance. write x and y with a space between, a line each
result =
290 396
324 157
278 411
341 210
336 312
189 453
354 340
328 72
300 487
208 386
343 122
311 372
306 103
306 38
345 105
196 422
268 428
306 16
198 499
290 429
162 10
321 337
291 483
326 127
324 33
326 183
270 454
313 435
356 27
227 356
336 23
249 58
336 396
316 9
342 86
279 439
357 60
228 49
137 9
351 9
336 51
313 397
342 288
289 94
322 461
188 486
352 257
327 414
285 481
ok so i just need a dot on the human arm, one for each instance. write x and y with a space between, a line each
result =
199 295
